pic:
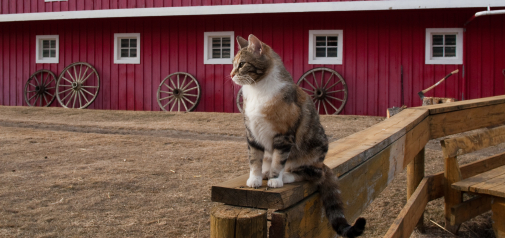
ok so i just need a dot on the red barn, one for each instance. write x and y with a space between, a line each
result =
385 51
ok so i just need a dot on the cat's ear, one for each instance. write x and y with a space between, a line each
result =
255 45
242 42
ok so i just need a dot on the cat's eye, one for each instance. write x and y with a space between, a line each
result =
241 64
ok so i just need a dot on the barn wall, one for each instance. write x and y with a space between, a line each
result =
376 46
29 6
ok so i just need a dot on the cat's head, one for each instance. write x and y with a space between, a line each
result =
253 61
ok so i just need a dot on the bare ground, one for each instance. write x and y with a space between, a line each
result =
92 173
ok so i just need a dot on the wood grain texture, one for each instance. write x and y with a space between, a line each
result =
389 145
466 120
498 208
415 174
237 222
470 209
453 147
452 197
404 224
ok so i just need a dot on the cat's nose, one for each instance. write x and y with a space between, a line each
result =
232 74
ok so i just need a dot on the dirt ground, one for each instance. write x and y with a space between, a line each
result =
93 173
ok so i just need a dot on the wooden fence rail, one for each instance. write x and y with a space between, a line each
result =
366 162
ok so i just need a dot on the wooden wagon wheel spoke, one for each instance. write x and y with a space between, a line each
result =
177 91
39 89
170 96
326 100
324 105
171 100
85 81
240 100
315 79
321 93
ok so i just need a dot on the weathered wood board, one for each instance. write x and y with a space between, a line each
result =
498 208
453 147
470 209
407 220
237 222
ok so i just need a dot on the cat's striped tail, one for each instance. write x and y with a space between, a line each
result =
333 205
329 190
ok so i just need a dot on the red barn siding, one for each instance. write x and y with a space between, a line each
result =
376 46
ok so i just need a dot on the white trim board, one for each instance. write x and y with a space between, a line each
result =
254 9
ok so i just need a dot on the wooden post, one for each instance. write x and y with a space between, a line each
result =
452 197
237 222
498 208
415 173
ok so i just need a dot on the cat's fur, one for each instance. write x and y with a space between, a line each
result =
286 141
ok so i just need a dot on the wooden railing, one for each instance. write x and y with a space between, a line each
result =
366 162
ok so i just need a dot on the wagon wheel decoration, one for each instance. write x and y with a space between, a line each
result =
40 88
240 100
77 85
327 89
179 91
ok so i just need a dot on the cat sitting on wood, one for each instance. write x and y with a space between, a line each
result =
286 141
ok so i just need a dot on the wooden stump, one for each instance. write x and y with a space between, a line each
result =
237 222
436 100
498 209
415 173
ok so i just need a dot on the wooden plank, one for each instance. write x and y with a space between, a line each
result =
498 208
466 120
470 209
486 187
393 143
306 219
415 174
476 141
406 221
463 105
466 184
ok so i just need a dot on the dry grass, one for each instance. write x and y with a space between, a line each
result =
68 173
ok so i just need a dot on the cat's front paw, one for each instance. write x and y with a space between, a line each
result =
254 181
275 183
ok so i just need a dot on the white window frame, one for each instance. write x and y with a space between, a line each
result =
38 49
429 59
55 0
207 47
312 47
117 51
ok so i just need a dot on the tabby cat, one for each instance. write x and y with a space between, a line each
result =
286 141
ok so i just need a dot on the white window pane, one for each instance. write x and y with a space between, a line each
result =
216 53
124 52
450 39
450 51
332 52
124 43
226 42
438 39
216 42
226 53
332 40
53 44
133 52
320 40
438 51
52 53
320 52
133 42
45 44
45 53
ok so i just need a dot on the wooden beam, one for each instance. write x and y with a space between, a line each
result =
404 224
305 219
498 208
415 173
452 197
466 120
463 105
453 147
237 222
470 209
398 139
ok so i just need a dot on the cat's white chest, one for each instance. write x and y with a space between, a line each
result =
257 97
